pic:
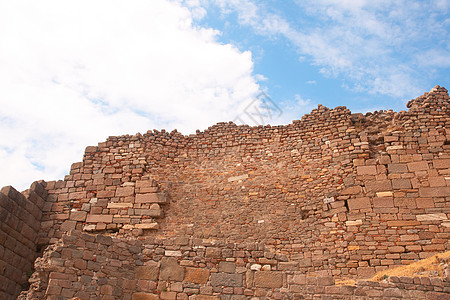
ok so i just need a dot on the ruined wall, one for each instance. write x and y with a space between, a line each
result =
97 266
20 216
333 194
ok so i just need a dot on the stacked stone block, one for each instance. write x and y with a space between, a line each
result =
96 266
20 216
333 194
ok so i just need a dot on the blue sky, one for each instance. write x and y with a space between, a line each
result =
366 55
75 72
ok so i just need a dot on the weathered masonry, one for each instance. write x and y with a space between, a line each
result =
239 212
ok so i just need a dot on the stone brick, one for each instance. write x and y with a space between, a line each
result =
397 168
144 296
443 191
205 297
99 218
432 217
105 194
424 202
78 215
77 196
378 185
225 279
417 166
151 198
268 279
437 181
125 191
401 183
227 267
366 170
170 270
383 202
441 163
150 226
148 272
359 203
68 225
120 205
401 223
196 275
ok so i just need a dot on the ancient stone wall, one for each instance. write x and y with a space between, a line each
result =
20 220
349 194
333 194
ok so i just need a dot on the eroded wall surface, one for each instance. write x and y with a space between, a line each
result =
20 221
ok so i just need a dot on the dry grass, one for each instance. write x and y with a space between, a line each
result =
345 282
418 268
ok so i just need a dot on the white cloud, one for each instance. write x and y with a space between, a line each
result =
371 44
73 73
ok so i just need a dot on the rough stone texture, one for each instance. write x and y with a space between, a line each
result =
225 279
149 272
170 270
267 279
20 222
196 275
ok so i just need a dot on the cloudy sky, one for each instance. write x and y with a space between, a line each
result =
73 73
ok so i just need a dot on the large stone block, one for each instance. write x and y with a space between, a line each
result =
125 191
147 272
401 183
383 202
442 191
418 166
378 185
170 270
151 198
359 203
196 275
225 279
305 263
397 168
227 267
144 296
441 163
366 170
99 219
78 215
268 279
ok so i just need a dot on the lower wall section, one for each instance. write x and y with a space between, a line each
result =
98 266
20 222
